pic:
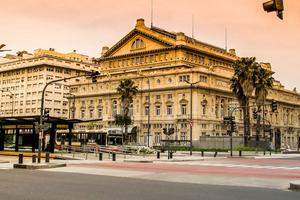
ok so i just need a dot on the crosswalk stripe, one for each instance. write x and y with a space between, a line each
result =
249 166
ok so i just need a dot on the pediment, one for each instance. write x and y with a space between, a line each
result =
137 41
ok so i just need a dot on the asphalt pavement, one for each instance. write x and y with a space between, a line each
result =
43 185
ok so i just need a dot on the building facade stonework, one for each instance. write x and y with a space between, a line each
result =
160 63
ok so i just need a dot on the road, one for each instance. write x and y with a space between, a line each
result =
44 185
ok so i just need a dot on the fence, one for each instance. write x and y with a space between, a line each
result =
218 142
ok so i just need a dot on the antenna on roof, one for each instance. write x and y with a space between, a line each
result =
193 26
226 39
151 13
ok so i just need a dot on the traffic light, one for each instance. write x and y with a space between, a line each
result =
46 115
171 131
233 126
226 120
94 75
254 114
274 105
165 130
274 5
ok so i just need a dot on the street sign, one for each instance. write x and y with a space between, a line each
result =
45 127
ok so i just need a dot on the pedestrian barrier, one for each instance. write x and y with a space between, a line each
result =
33 158
240 153
47 158
20 158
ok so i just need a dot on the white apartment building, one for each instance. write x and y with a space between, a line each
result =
23 77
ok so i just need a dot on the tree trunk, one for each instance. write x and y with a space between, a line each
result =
126 134
258 127
246 111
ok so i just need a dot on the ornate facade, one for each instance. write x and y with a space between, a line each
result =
161 63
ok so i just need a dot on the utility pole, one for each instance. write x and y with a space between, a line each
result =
148 137
191 114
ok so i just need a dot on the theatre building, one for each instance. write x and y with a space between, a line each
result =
161 63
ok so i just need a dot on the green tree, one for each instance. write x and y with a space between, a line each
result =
263 81
242 85
127 90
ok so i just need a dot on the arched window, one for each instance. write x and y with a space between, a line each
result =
138 44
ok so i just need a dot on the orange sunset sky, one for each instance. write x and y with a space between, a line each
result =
87 25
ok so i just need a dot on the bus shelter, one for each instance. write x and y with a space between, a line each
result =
19 132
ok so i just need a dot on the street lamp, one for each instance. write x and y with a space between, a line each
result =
191 113
2 50
92 74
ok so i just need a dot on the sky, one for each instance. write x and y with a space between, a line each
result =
87 25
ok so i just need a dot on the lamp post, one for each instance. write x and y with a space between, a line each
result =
191 114
92 74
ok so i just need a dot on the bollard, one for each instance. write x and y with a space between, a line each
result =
270 152
216 153
47 159
202 153
113 156
86 155
20 158
100 156
158 155
240 153
33 158
171 155
264 152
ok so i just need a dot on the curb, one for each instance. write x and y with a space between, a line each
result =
139 161
180 160
38 166
295 186
28 154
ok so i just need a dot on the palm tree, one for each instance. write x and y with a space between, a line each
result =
127 90
242 85
263 81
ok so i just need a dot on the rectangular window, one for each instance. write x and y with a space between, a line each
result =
91 114
203 79
100 113
151 58
157 110
169 110
184 78
147 98
183 109
169 96
147 110
157 138
183 136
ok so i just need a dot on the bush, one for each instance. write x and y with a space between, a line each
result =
187 148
